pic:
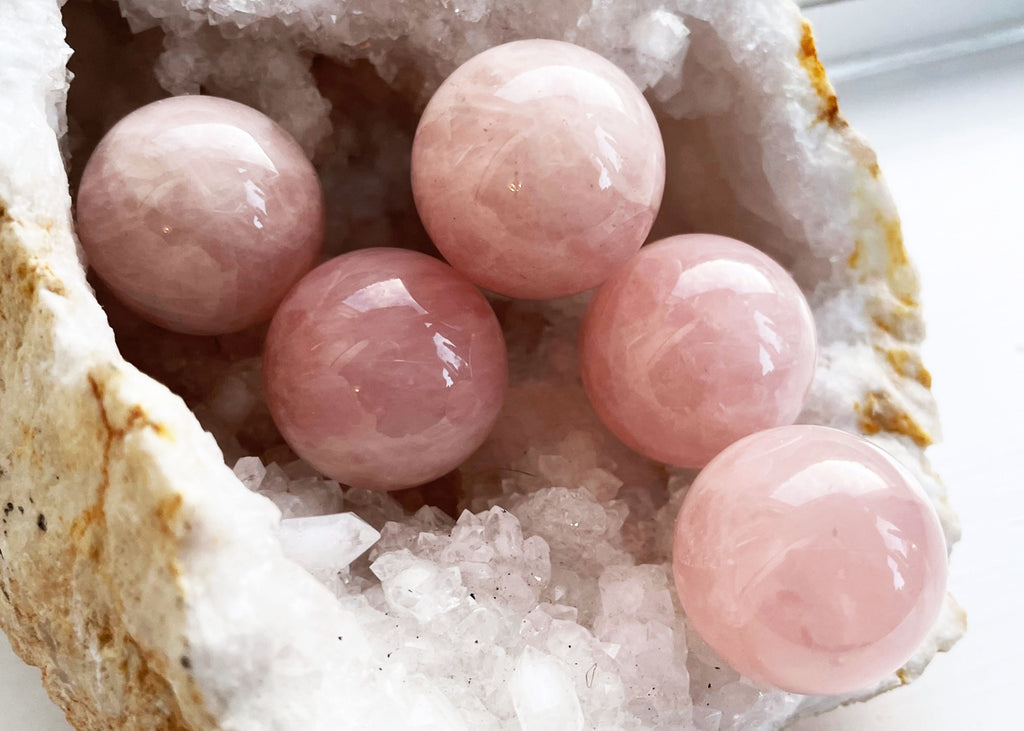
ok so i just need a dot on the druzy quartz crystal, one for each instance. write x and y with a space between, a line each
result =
697 341
200 213
538 169
809 559
384 368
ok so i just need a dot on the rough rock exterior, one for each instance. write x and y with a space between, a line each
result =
149 584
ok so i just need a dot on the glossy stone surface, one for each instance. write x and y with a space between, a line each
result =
200 213
384 368
697 341
809 559
538 169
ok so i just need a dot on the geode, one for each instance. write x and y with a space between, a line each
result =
150 584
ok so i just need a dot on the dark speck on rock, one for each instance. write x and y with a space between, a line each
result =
41 522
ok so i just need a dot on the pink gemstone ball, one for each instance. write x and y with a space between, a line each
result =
200 213
538 169
384 368
809 559
697 341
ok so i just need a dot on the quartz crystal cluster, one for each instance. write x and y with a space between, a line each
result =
571 632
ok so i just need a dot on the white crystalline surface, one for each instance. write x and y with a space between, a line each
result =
477 606
325 545
529 609
548 602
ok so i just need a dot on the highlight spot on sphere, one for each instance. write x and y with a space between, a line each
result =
696 342
538 169
200 214
384 368
809 559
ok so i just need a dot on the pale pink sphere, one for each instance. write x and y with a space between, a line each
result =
538 169
200 214
697 341
384 368
809 559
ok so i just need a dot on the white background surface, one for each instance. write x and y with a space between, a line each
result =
950 139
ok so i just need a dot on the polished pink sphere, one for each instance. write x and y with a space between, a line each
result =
384 368
697 341
538 169
809 559
200 214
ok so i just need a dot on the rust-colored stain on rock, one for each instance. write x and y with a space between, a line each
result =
144 667
908 364
829 105
899 272
137 417
168 512
854 259
95 514
880 413
894 242
896 259
35 274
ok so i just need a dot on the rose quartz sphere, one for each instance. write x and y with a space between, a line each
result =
697 341
538 169
200 213
384 368
809 559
